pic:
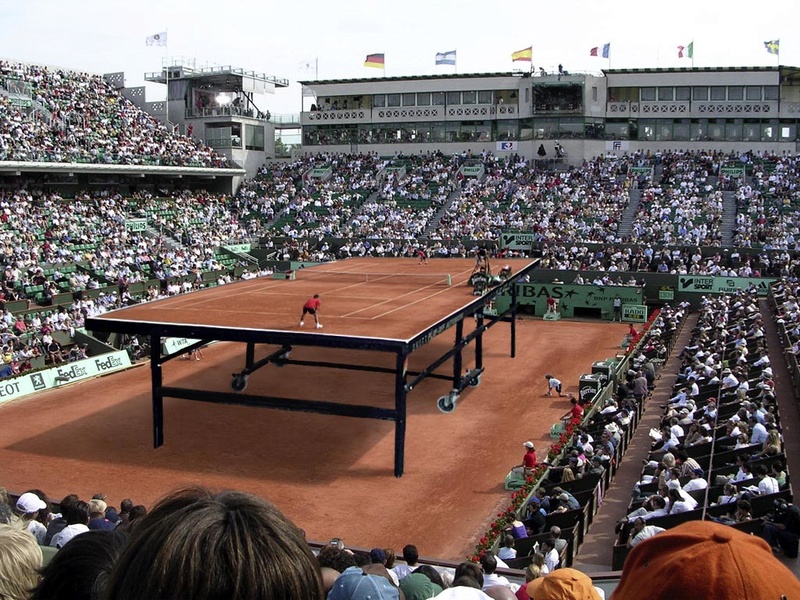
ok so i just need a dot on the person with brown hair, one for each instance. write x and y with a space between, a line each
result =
215 546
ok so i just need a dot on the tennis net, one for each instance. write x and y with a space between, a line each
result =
407 279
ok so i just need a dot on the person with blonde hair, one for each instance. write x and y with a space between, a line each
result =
20 562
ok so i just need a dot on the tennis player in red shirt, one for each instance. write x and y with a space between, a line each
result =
311 307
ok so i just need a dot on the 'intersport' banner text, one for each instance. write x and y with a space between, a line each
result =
722 285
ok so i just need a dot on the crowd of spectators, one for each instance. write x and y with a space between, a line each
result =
78 117
723 410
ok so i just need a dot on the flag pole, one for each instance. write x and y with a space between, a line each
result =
316 68
455 62
166 61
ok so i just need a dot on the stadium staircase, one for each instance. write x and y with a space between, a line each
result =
628 216
433 224
728 225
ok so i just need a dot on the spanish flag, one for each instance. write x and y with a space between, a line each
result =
375 60
526 55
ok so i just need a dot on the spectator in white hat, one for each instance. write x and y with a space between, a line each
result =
27 508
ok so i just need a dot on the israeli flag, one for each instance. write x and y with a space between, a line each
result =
446 58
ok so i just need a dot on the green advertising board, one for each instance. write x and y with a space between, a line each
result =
732 171
238 248
722 285
571 298
472 171
634 313
136 224
640 170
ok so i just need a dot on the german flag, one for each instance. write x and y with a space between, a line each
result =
374 60
526 55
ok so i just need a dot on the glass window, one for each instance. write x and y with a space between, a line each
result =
617 130
699 132
424 99
753 92
254 137
733 131
379 100
469 97
526 129
683 94
718 92
771 92
507 130
594 129
681 130
453 98
751 130
594 93
716 130
788 132
437 132
409 99
647 94
666 94
570 128
647 129
452 131
735 92
437 98
483 131
485 97
664 130
393 100
700 93
769 130
544 129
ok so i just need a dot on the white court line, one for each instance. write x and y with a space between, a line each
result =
447 289
255 287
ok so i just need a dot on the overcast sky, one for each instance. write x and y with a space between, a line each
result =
278 37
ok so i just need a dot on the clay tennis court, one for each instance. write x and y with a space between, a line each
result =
332 475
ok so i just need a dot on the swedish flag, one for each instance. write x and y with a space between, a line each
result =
773 46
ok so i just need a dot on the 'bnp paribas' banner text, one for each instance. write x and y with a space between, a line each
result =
722 285
66 373
517 241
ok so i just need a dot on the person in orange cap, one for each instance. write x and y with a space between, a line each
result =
563 584
700 560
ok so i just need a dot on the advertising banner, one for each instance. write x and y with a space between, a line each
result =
517 241
63 374
722 285
635 313
173 345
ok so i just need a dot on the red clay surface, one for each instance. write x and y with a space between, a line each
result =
387 307
332 475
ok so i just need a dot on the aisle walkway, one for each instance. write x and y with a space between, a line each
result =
594 555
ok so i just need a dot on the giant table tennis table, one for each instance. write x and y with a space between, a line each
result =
356 301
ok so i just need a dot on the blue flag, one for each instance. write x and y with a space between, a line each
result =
446 58
606 49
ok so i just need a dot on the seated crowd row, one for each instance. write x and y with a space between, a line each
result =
718 454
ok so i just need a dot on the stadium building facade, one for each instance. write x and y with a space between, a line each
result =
620 110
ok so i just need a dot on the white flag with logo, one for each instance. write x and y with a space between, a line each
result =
157 39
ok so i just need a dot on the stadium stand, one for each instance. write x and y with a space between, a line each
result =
68 257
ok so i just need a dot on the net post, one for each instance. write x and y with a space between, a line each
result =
449 281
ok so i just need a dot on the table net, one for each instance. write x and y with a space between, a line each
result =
406 279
